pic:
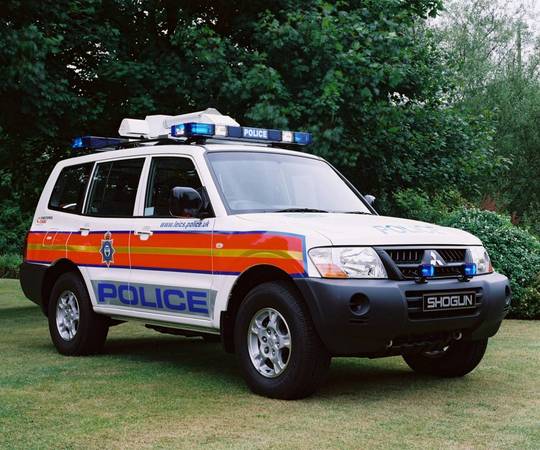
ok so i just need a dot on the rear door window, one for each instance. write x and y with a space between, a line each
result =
68 192
114 188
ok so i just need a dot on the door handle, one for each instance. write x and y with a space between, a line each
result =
144 234
85 231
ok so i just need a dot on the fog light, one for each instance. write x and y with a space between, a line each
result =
359 304
469 269
427 270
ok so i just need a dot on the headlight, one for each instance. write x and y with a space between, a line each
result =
347 262
481 258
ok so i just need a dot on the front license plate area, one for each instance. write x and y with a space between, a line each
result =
449 301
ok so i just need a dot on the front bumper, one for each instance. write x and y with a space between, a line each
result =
370 317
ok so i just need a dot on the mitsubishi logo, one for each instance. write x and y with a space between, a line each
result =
435 259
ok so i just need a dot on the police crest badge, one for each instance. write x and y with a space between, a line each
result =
107 249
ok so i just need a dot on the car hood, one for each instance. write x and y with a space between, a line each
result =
354 229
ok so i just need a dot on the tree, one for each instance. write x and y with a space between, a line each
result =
366 77
498 65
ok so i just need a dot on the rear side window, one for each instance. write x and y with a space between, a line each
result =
68 192
114 188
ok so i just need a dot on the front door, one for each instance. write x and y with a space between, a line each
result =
171 256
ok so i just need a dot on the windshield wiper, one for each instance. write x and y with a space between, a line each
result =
355 212
301 210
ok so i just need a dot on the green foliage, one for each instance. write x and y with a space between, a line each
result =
366 77
13 225
415 204
514 252
9 265
494 47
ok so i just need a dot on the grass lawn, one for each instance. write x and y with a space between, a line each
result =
152 390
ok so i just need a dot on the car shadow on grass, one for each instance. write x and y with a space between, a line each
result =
353 377
26 312
348 378
185 354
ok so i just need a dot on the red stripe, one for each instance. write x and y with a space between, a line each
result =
252 241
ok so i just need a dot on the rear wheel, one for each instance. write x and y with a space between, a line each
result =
279 351
74 326
456 360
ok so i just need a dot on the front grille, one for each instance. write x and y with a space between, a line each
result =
452 255
407 256
408 259
416 312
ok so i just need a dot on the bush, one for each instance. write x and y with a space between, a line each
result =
9 266
418 205
13 227
514 252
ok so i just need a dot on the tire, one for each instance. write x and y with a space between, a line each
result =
70 336
280 311
460 358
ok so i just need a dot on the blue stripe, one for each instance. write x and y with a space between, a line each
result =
279 233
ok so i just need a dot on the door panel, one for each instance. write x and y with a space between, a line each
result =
171 256
172 270
101 245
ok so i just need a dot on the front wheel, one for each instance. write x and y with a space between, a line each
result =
456 360
279 351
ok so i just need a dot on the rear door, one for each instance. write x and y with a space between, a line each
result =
171 255
100 245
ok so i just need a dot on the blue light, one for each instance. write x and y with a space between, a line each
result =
96 142
77 142
177 130
193 129
234 133
469 269
302 138
427 270
199 129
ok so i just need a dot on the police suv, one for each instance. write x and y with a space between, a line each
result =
196 226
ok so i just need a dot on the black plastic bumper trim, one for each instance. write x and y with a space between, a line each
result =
385 317
31 278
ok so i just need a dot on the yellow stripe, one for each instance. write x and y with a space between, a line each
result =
84 248
259 253
46 247
171 251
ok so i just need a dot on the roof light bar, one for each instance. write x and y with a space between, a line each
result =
196 129
96 142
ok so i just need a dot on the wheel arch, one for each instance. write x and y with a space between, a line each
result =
250 278
52 274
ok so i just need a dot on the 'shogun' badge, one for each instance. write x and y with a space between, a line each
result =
107 249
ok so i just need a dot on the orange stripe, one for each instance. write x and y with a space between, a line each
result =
224 264
251 241
120 259
195 240
45 255
259 240
173 262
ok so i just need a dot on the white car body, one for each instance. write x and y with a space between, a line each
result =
317 230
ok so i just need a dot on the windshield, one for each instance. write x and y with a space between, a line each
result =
272 182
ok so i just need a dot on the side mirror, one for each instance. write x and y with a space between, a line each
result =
370 199
184 202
